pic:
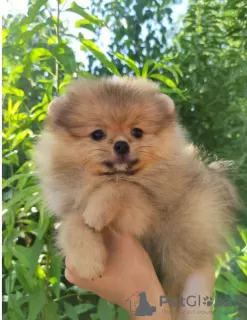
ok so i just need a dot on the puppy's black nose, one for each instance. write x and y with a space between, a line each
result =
121 147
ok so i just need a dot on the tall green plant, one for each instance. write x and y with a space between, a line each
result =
212 55
39 61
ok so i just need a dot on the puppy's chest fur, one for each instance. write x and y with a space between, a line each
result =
183 215
160 193
168 199
177 209
166 192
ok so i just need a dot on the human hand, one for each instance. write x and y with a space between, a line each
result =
200 283
129 269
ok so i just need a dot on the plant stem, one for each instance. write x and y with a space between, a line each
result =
58 41
66 296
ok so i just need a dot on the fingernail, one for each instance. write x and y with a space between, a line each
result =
67 274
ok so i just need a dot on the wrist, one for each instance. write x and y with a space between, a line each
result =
150 292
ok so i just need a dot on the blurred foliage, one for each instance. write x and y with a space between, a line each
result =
203 66
136 30
213 56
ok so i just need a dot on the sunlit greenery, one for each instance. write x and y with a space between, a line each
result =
201 62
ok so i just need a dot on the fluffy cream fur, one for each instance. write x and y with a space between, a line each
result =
162 194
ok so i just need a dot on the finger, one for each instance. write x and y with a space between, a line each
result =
116 241
69 266
111 238
72 276
80 282
69 276
201 282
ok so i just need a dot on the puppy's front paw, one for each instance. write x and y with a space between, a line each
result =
94 220
96 216
90 266
83 247
90 260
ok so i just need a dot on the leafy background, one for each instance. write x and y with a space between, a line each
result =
201 61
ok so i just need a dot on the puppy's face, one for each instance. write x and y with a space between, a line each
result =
114 127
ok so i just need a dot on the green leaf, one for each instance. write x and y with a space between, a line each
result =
15 91
122 314
169 69
239 285
34 253
70 311
37 300
15 177
79 10
129 62
169 58
100 55
177 69
84 23
146 66
84 307
222 285
243 233
4 35
11 158
24 279
174 90
242 265
10 235
27 35
22 254
20 196
8 259
94 316
20 137
243 258
56 266
80 292
38 54
167 81
32 201
14 310
33 11
15 72
44 220
65 83
105 310
10 282
65 56
16 107
49 311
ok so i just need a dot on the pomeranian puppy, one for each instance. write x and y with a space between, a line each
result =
112 154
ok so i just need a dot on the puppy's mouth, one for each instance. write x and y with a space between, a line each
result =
121 166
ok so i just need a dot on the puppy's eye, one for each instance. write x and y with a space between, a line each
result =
98 135
137 133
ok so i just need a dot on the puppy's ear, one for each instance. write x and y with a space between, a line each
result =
169 104
166 106
56 108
